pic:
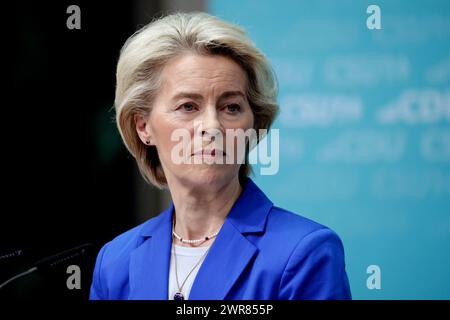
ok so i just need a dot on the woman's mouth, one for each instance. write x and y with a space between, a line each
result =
209 153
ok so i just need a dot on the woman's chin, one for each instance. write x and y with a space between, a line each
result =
211 175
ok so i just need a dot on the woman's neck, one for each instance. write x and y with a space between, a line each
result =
200 212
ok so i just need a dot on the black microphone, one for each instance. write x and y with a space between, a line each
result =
51 261
12 254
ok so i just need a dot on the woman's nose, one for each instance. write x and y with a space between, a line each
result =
210 123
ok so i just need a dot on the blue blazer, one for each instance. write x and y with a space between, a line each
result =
261 252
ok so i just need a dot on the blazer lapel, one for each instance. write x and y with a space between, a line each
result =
231 251
150 262
229 255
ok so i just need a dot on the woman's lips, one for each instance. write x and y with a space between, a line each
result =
209 153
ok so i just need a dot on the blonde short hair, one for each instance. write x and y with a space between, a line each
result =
147 51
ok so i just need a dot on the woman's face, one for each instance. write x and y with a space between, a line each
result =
204 96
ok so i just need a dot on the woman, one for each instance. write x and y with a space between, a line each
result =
221 237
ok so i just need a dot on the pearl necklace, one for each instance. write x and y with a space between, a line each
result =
212 235
179 295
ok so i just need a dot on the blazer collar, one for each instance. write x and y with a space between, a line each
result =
229 254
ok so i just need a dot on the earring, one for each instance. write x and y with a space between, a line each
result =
147 142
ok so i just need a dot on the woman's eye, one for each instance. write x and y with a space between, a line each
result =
188 107
233 108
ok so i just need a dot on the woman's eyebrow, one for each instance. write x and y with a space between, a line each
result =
228 94
191 95
197 96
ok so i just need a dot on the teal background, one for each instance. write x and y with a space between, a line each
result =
364 131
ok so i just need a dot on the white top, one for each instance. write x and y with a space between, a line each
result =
187 257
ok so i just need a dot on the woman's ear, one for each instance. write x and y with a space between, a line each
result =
143 129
